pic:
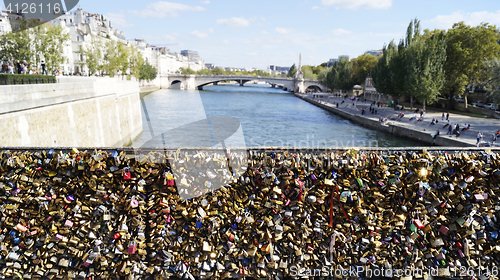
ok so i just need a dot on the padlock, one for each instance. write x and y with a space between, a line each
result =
132 247
126 173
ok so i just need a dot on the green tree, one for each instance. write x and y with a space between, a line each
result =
382 76
309 73
292 72
147 72
426 57
339 76
54 41
362 66
19 44
135 61
467 50
493 80
91 56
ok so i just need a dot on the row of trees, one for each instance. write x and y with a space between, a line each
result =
34 44
425 66
110 57
345 73
438 62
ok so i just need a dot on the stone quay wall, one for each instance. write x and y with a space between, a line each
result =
393 129
117 214
77 111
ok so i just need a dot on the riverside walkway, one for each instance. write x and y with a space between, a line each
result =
487 126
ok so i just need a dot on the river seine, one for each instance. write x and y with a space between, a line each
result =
268 117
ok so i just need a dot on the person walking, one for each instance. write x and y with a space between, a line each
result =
447 115
479 136
449 130
44 71
18 67
442 117
11 66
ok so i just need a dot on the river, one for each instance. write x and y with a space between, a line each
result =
268 117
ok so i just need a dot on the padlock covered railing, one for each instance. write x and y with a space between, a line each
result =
273 212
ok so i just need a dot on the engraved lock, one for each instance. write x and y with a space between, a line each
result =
106 216
132 247
126 173
134 203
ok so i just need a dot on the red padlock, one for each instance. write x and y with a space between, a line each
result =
132 246
116 236
126 173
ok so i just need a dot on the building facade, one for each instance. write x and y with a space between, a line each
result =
84 28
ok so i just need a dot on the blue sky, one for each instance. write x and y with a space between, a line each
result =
261 33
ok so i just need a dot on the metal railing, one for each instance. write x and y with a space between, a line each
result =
28 81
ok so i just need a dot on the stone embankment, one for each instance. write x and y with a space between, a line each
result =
420 131
76 111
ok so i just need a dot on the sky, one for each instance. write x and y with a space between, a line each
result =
260 33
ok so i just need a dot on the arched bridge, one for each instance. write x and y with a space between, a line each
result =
191 82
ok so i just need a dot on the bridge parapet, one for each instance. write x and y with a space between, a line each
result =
190 82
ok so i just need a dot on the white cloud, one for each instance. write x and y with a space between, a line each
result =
340 31
356 4
283 30
315 8
118 20
225 42
234 22
206 2
264 32
473 19
163 9
199 34
168 37
210 30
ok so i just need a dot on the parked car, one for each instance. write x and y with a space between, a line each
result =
491 106
478 104
459 99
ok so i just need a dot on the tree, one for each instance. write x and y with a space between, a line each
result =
54 41
362 66
292 72
339 76
493 80
467 50
91 56
135 61
19 43
147 72
383 78
309 73
426 57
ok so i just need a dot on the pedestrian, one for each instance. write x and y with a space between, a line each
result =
18 67
494 138
423 115
44 71
442 117
337 104
421 112
479 136
449 130
447 115
11 66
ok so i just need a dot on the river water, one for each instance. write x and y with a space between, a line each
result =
268 117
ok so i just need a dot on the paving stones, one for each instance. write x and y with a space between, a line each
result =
106 214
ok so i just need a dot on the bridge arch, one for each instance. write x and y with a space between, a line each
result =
314 88
176 84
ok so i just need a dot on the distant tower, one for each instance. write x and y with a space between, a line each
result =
299 74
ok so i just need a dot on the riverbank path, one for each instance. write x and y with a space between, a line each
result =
487 126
